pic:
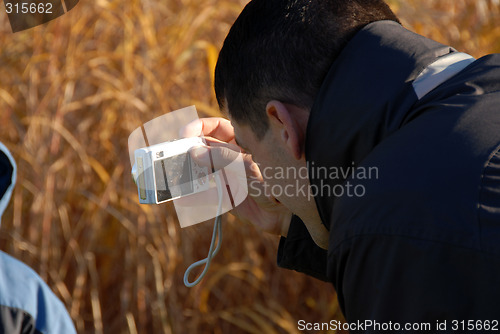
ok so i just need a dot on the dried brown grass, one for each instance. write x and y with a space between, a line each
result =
72 90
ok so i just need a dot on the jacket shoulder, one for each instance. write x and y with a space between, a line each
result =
437 179
26 300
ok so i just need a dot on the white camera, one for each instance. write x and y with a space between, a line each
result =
166 171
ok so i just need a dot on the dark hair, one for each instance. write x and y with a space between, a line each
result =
282 50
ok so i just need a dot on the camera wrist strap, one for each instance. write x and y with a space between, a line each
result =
216 235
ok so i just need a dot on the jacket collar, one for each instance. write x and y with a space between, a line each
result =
8 172
366 96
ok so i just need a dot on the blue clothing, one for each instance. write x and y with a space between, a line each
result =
27 305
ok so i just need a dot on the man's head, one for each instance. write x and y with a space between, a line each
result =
282 50
269 71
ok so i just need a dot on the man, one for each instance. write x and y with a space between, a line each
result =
27 305
341 88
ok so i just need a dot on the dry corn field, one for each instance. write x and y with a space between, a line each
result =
72 90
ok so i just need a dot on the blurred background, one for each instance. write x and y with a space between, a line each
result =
71 92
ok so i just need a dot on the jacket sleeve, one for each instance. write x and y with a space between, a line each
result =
299 252
413 282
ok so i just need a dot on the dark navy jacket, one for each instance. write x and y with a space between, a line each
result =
422 243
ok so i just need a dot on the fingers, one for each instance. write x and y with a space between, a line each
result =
227 161
192 129
216 127
220 156
223 154
212 142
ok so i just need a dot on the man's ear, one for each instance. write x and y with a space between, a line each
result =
283 119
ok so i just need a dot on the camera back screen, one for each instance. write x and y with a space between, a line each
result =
173 177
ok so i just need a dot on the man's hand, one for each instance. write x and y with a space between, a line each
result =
258 209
